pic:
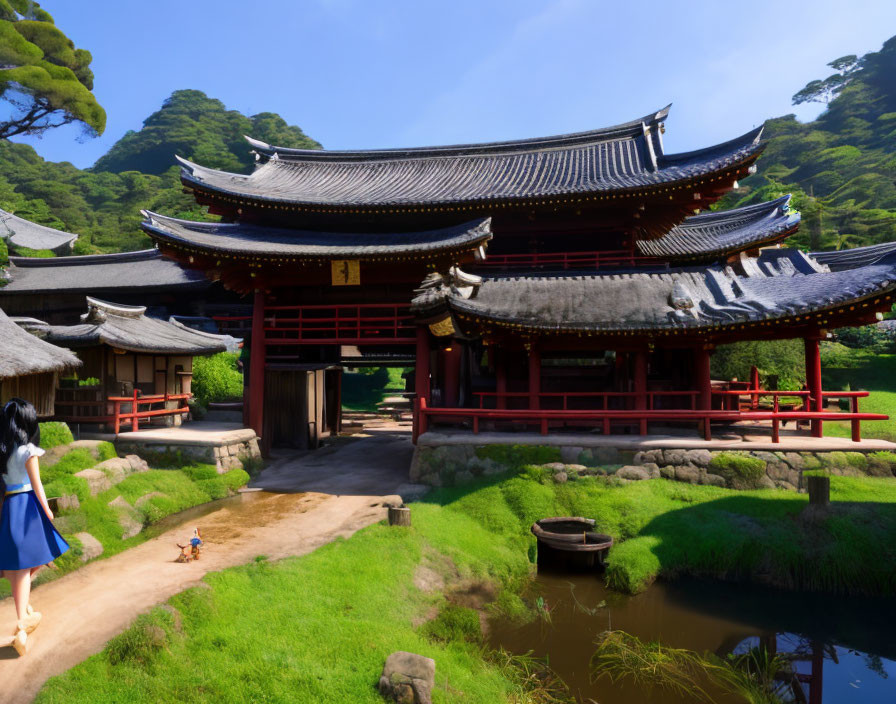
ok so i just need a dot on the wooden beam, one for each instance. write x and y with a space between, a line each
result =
257 355
813 379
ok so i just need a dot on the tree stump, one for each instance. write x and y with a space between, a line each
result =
819 490
399 516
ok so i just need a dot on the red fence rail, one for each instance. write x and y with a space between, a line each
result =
605 418
354 324
118 417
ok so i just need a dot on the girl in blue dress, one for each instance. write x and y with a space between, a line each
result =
28 540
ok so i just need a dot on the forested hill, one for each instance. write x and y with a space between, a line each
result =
103 203
841 167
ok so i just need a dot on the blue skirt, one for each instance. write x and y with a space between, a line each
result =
27 537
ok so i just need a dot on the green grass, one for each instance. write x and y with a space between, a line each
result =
54 433
318 628
867 371
362 391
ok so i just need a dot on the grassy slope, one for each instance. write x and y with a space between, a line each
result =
863 369
318 628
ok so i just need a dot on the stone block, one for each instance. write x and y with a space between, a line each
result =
652 469
699 458
97 481
68 502
795 459
137 464
686 473
632 473
560 477
667 472
655 456
90 546
408 678
463 477
675 457
713 480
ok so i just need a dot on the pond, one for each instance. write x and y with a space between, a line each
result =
848 642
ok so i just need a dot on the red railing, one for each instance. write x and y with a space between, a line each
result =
117 417
605 418
236 325
354 324
567 260
565 397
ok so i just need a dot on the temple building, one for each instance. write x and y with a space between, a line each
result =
562 282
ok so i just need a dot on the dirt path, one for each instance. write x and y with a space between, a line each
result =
86 608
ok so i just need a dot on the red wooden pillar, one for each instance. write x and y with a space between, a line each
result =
421 373
813 381
256 366
702 377
640 374
534 377
451 358
500 377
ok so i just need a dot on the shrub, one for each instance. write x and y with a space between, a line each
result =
216 378
784 359
54 433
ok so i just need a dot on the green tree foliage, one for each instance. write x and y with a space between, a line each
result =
46 81
216 379
784 359
199 128
103 204
840 168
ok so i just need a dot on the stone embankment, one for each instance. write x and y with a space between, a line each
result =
457 464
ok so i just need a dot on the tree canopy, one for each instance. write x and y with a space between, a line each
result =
45 81
202 129
841 167
103 204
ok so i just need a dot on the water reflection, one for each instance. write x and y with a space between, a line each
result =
842 647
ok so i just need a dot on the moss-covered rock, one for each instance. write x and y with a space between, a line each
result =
740 470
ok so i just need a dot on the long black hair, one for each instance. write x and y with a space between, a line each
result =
18 426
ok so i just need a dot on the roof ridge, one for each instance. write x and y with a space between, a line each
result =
632 128
78 260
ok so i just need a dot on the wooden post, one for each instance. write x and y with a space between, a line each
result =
399 516
640 379
703 377
257 355
452 374
819 490
500 377
421 373
813 381
534 377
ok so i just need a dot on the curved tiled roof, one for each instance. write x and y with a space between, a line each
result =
146 269
127 328
725 232
24 233
858 256
780 284
627 156
259 241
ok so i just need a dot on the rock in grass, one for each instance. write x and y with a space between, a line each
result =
560 477
128 517
687 474
97 481
408 678
713 480
90 546
632 473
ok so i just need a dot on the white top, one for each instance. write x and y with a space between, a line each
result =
15 465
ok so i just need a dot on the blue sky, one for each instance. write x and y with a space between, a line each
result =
378 73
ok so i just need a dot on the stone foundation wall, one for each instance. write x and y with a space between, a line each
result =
224 456
457 464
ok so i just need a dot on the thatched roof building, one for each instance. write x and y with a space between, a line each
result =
29 366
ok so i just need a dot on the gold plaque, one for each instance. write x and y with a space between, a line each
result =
345 272
443 327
